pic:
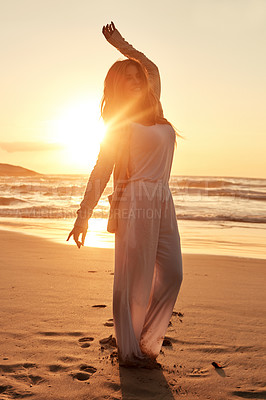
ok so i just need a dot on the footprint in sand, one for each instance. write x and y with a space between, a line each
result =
13 393
250 394
56 368
52 333
49 333
85 345
109 323
15 367
87 371
88 368
22 379
74 333
81 376
109 341
99 306
31 379
86 341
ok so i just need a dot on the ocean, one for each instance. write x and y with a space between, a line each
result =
205 206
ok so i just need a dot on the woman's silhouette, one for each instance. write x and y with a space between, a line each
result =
139 145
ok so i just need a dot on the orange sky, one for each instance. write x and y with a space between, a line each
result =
212 60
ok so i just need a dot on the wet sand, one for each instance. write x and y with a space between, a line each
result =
56 307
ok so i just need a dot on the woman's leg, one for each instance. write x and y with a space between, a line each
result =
136 244
166 283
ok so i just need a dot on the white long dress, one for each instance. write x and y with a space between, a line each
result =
148 260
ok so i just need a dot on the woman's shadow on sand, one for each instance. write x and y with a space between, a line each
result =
141 383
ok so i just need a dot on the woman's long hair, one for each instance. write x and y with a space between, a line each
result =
117 110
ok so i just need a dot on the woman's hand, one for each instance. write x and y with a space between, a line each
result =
108 30
76 231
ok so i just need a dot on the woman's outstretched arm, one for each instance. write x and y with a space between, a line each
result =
113 36
97 182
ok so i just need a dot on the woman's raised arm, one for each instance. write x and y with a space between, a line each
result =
113 36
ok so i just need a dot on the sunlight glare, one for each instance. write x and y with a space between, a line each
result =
80 130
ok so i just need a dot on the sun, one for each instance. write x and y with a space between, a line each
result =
79 129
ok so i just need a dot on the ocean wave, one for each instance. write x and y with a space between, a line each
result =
243 194
240 188
217 182
47 190
38 212
229 218
8 201
188 182
195 198
61 212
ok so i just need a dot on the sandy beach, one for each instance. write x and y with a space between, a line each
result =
50 327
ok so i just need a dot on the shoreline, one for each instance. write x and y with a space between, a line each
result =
97 248
196 237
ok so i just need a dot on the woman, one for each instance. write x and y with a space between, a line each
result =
139 145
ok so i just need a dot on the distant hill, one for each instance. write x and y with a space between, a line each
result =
14 170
